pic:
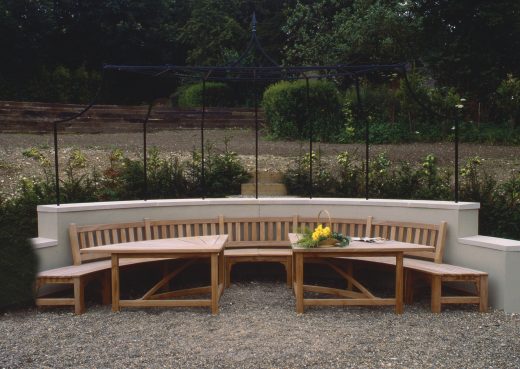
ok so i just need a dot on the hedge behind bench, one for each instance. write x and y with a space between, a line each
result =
18 264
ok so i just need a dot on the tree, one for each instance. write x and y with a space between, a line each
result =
351 31
471 44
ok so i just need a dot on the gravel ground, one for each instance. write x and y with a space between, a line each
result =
257 327
500 161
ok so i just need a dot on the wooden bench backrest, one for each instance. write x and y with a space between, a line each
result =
347 227
423 234
85 236
259 231
157 229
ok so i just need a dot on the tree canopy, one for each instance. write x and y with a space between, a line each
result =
471 45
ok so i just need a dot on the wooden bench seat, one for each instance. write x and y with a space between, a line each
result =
428 264
79 276
255 255
89 267
439 273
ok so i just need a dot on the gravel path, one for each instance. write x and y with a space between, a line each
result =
258 328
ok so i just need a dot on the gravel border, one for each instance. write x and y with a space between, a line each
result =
257 327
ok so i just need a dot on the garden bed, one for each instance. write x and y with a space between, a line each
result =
500 161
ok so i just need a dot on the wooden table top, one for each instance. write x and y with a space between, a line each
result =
197 244
360 246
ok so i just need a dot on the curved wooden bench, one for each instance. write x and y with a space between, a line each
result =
89 267
428 264
260 239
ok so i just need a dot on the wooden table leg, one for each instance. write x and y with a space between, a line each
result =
115 283
399 283
299 283
221 268
214 283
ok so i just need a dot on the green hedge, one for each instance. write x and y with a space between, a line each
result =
217 94
18 262
289 114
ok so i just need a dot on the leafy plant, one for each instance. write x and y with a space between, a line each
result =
216 94
290 114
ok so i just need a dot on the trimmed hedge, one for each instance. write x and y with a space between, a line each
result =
289 115
217 94
18 262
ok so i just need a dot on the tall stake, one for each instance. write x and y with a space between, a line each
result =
56 165
203 168
256 133
456 158
145 152
367 143
310 134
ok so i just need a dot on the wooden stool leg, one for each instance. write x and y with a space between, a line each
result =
408 286
106 288
288 270
483 293
436 293
229 266
79 296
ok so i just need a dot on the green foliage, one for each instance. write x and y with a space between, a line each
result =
18 262
216 94
508 99
290 115
475 44
351 176
329 32
224 173
297 177
63 85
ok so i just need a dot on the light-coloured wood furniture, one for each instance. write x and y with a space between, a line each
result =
266 239
87 267
260 239
186 248
428 264
356 293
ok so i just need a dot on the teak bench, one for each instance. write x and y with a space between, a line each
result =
428 264
88 267
259 239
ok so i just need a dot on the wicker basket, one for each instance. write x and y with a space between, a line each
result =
329 242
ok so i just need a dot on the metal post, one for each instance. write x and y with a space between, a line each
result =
56 165
456 158
256 133
310 134
367 144
145 152
203 117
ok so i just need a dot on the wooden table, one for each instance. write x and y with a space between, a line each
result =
360 296
189 248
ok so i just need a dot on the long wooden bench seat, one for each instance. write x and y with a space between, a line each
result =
267 239
428 264
88 267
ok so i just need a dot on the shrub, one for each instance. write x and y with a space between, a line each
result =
351 176
508 100
223 172
18 262
297 177
289 115
216 94
64 85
